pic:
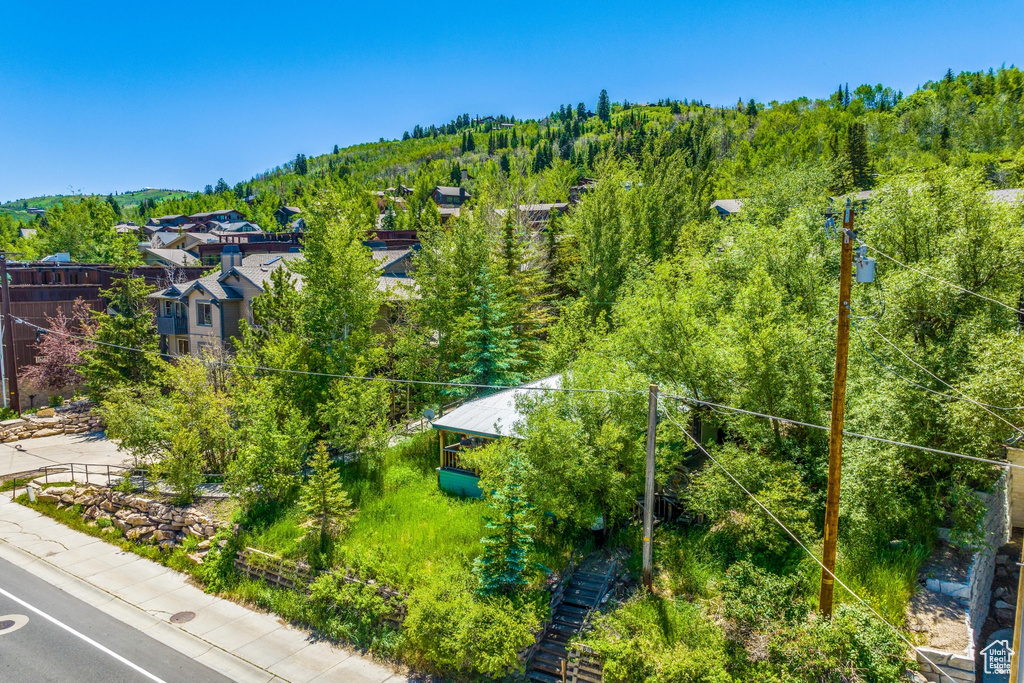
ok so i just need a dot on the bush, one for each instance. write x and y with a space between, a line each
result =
350 610
652 640
452 630
853 646
755 599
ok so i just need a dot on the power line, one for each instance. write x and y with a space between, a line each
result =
391 380
868 437
938 279
964 396
804 547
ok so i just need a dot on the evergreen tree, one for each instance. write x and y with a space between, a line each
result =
949 76
751 107
502 566
325 503
503 164
455 176
470 142
604 107
221 187
128 326
114 205
335 150
857 152
300 165
208 189
581 111
492 354
515 140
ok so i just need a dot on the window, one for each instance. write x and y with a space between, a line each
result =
204 314
183 347
168 309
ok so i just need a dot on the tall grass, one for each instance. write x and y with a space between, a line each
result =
405 526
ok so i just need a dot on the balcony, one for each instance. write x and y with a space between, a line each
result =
171 324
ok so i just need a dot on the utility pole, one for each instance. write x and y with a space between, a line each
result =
8 339
835 439
652 427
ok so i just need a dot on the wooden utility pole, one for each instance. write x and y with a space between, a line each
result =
652 428
835 439
14 398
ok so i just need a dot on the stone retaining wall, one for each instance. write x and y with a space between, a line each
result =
974 591
74 418
140 518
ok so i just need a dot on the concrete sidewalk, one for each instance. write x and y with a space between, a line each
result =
240 643
31 454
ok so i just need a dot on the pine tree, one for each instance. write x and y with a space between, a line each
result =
504 164
949 76
515 140
470 142
604 108
751 108
114 205
502 566
129 326
857 152
491 354
326 504
581 111
335 150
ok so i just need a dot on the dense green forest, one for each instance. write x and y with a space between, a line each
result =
639 282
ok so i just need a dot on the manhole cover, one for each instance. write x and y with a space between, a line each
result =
9 623
182 617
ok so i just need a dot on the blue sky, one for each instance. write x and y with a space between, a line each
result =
114 96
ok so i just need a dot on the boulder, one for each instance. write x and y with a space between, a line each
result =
92 512
137 520
107 505
209 530
140 533
119 523
163 535
45 412
46 432
48 497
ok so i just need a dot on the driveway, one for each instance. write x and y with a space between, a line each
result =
31 454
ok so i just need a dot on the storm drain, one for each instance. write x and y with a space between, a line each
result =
182 617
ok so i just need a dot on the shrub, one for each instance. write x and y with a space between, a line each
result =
351 610
754 598
452 630
652 640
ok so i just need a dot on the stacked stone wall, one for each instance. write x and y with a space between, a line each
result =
74 418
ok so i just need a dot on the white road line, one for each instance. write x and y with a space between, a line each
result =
84 637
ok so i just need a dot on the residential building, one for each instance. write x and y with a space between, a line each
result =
727 207
286 214
175 258
450 197
537 216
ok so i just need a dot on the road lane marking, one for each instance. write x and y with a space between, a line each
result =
98 646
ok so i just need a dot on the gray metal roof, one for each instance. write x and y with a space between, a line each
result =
495 415
727 205
1008 196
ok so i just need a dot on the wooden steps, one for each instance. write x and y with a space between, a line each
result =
579 598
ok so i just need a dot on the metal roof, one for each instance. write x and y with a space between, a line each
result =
495 415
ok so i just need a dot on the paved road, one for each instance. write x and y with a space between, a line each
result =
40 650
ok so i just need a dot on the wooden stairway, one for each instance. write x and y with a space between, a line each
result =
550 660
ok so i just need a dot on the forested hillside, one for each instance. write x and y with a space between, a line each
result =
638 282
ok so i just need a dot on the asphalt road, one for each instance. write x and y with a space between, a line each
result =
37 649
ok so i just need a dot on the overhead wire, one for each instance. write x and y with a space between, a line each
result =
368 378
805 548
938 279
857 435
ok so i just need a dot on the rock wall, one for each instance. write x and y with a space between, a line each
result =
140 518
73 418
974 591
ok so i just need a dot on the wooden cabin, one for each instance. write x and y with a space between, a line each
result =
477 423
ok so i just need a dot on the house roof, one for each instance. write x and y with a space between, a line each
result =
27 232
290 209
199 217
169 217
256 268
194 238
212 285
1007 196
495 415
397 288
729 206
173 257
387 257
446 191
